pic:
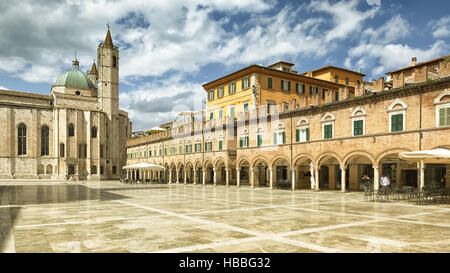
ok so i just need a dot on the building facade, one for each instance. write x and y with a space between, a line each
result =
76 132
326 143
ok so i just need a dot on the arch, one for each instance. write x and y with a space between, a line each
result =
259 130
40 169
259 158
94 132
279 126
189 164
45 140
395 103
180 164
358 109
348 156
438 99
244 132
208 162
172 165
198 164
328 114
388 152
325 154
279 157
49 169
70 169
299 123
218 160
298 157
241 160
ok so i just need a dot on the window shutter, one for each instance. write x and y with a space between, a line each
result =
297 135
284 137
303 89
442 116
246 142
274 138
307 134
241 142
289 86
447 117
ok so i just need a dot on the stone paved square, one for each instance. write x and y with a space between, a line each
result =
107 216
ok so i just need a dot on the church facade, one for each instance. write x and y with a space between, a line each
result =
77 132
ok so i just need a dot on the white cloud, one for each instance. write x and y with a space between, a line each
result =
441 28
395 29
347 19
3 88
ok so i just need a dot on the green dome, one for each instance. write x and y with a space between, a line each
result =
75 78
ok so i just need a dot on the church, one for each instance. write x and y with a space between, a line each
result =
77 132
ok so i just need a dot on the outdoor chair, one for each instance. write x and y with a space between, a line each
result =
369 194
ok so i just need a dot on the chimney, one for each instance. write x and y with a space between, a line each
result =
414 61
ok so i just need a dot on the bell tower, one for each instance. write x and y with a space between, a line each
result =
108 76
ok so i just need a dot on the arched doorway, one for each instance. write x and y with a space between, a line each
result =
360 172
261 173
304 172
329 173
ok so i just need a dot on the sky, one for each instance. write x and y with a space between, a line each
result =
169 49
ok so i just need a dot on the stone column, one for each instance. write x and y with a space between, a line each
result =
376 177
422 175
128 176
204 177
178 176
293 178
343 189
312 172
214 176
195 176
238 173
271 178
170 176
185 175
252 178
316 178
227 177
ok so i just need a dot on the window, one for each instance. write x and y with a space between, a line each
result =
210 94
79 151
269 83
302 132
442 103
145 154
358 82
44 141
285 86
114 169
336 79
77 93
358 127
243 141
94 132
232 112
220 144
220 113
211 115
180 149
208 146
313 90
328 126
279 137
165 150
220 92
149 153
324 90
259 140
71 130
198 147
245 83
396 122
328 131
61 150
285 69
358 120
336 95
269 105
300 88
444 116
397 112
101 150
232 88
101 169
347 81
246 107
22 139
114 61
188 148
93 169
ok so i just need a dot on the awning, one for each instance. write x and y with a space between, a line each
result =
145 166
438 155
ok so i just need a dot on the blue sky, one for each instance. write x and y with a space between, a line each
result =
168 49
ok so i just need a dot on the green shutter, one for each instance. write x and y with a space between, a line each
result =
328 131
442 116
220 144
259 142
246 142
397 123
307 134
241 142
274 138
358 128
284 137
297 135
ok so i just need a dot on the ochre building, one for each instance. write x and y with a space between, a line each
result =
76 132
327 134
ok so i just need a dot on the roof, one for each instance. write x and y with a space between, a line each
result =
108 40
255 66
75 78
336 67
419 64
281 62
93 69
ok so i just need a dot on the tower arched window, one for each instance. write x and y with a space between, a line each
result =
94 132
22 139
71 130
114 61
45 141
61 150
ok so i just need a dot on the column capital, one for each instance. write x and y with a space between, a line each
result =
342 167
